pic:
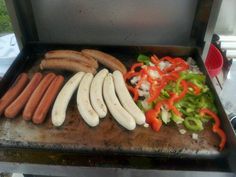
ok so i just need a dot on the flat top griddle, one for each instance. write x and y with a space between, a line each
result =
108 137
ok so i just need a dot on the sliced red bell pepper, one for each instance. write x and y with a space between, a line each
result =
170 68
175 74
130 74
205 111
182 67
159 104
172 100
135 66
169 77
177 65
171 106
150 79
152 120
167 58
216 127
176 111
184 91
133 91
156 93
155 60
222 136
160 71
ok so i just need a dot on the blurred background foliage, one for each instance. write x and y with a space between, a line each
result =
5 22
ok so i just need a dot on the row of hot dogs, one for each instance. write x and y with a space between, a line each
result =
34 97
95 94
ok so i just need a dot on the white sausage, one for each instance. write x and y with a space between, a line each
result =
96 93
114 106
83 102
63 98
126 99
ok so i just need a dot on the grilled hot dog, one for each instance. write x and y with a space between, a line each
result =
16 106
37 95
47 100
13 91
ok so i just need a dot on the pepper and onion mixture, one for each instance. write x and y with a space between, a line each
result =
171 89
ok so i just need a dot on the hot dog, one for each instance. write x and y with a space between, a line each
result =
37 95
71 54
66 64
13 91
16 106
106 59
47 100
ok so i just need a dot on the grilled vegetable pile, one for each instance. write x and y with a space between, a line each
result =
171 89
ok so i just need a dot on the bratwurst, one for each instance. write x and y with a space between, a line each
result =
106 59
71 54
66 64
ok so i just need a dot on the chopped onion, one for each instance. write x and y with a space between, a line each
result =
143 93
195 136
191 61
135 79
146 105
146 125
164 64
192 65
145 86
182 131
154 74
165 115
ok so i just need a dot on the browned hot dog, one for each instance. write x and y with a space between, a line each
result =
71 54
15 107
47 100
66 64
13 91
106 59
37 95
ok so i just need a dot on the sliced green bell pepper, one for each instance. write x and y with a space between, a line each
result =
144 59
193 124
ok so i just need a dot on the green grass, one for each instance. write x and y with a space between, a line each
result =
5 22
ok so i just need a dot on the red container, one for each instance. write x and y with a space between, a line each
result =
214 61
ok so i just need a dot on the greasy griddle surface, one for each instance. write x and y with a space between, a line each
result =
76 135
